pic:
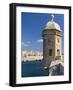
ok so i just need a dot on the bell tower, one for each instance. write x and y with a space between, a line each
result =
52 38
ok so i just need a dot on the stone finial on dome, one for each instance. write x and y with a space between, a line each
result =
52 17
52 24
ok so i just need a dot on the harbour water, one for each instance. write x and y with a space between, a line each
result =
36 68
33 68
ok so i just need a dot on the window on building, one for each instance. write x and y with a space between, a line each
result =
50 52
58 40
58 52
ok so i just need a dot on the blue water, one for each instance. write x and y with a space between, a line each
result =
33 68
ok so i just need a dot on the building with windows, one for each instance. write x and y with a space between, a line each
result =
31 55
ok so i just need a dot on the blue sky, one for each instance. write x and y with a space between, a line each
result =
32 26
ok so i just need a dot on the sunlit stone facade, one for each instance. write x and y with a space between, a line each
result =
31 55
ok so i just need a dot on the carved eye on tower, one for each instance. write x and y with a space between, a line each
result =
49 41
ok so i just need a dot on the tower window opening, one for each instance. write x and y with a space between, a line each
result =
50 52
58 52
58 40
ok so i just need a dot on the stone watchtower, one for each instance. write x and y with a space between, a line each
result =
52 38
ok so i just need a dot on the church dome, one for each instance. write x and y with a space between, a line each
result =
52 24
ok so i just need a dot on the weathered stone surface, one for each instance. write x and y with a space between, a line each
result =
56 70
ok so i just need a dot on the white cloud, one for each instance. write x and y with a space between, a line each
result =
40 40
25 45
28 42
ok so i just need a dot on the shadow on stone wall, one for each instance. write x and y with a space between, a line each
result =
56 70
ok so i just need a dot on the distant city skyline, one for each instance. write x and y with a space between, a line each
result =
32 26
